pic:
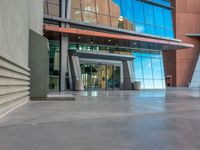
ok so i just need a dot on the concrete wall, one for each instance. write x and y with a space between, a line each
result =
36 16
38 62
14 50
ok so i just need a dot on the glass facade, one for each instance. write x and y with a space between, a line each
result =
52 7
152 17
148 64
149 69
137 15
54 66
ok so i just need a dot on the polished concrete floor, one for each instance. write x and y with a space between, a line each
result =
113 120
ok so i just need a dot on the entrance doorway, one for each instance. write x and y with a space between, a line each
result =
100 76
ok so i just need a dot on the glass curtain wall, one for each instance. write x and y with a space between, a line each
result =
148 64
149 69
54 65
52 7
135 15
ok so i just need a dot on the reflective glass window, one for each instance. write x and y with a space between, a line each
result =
76 14
158 84
89 17
149 14
158 16
167 19
148 84
114 9
160 31
88 5
102 6
127 9
103 20
150 29
76 4
169 33
138 11
157 70
147 67
140 27
138 67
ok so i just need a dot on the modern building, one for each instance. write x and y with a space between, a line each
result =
60 45
109 44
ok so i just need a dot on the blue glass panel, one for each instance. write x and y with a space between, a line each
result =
169 33
138 67
166 3
160 32
157 69
145 54
157 1
158 84
148 84
147 67
117 2
167 18
148 14
127 9
149 29
138 11
158 16
139 27
137 54
156 55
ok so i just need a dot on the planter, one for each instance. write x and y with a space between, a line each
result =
137 85
79 85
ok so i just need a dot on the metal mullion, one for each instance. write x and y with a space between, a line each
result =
81 5
96 10
109 13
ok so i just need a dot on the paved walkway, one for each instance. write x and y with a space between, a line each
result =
119 120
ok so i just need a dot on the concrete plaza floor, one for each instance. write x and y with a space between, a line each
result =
107 120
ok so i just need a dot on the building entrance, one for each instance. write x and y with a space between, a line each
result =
100 76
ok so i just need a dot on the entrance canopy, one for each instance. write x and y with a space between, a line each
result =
118 39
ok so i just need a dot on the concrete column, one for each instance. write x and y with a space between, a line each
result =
128 75
68 11
63 8
64 45
65 66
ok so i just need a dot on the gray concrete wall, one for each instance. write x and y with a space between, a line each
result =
38 61
36 16
14 28
15 22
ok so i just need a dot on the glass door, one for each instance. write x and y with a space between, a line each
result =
102 77
109 75
86 74
116 73
94 77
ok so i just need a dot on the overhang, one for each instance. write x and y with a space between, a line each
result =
193 34
159 44
100 55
